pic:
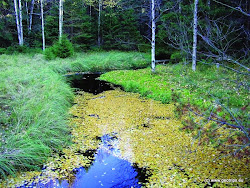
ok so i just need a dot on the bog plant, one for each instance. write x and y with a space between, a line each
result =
62 49
226 101
34 103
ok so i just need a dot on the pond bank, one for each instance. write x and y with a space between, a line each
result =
173 163
34 103
148 134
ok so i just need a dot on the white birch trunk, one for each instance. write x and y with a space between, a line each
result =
90 11
17 22
99 23
195 35
42 25
31 14
21 22
60 18
153 35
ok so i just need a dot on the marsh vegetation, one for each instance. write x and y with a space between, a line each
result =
170 123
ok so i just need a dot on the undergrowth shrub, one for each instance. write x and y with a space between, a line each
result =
176 56
62 49
2 51
50 53
17 49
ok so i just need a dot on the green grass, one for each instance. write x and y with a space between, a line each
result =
34 102
100 62
201 89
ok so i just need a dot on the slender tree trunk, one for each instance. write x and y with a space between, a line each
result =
31 14
195 35
27 13
60 18
90 11
21 21
42 24
99 23
17 22
153 34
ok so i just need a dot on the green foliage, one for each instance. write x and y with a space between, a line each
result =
2 51
62 49
34 104
101 62
179 84
17 49
51 27
81 28
120 30
176 56
7 24
50 53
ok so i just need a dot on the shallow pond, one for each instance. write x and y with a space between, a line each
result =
107 170
103 164
90 83
123 140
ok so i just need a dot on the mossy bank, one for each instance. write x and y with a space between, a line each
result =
207 101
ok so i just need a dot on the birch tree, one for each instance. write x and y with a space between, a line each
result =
153 35
60 18
21 21
42 20
31 14
17 22
18 13
195 35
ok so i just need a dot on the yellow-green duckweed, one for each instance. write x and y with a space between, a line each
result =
149 135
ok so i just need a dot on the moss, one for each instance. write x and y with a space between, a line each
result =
205 91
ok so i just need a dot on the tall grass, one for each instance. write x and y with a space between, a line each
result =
100 62
34 101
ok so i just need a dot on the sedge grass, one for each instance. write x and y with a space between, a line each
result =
35 119
34 102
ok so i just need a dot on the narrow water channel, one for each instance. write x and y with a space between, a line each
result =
107 167
120 139
90 83
107 170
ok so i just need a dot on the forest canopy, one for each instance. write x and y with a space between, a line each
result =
222 27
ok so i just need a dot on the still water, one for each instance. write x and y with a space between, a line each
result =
107 168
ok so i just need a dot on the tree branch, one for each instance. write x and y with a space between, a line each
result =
239 9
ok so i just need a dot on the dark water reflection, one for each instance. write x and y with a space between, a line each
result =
90 83
107 170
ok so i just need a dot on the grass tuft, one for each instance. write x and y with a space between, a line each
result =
34 102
